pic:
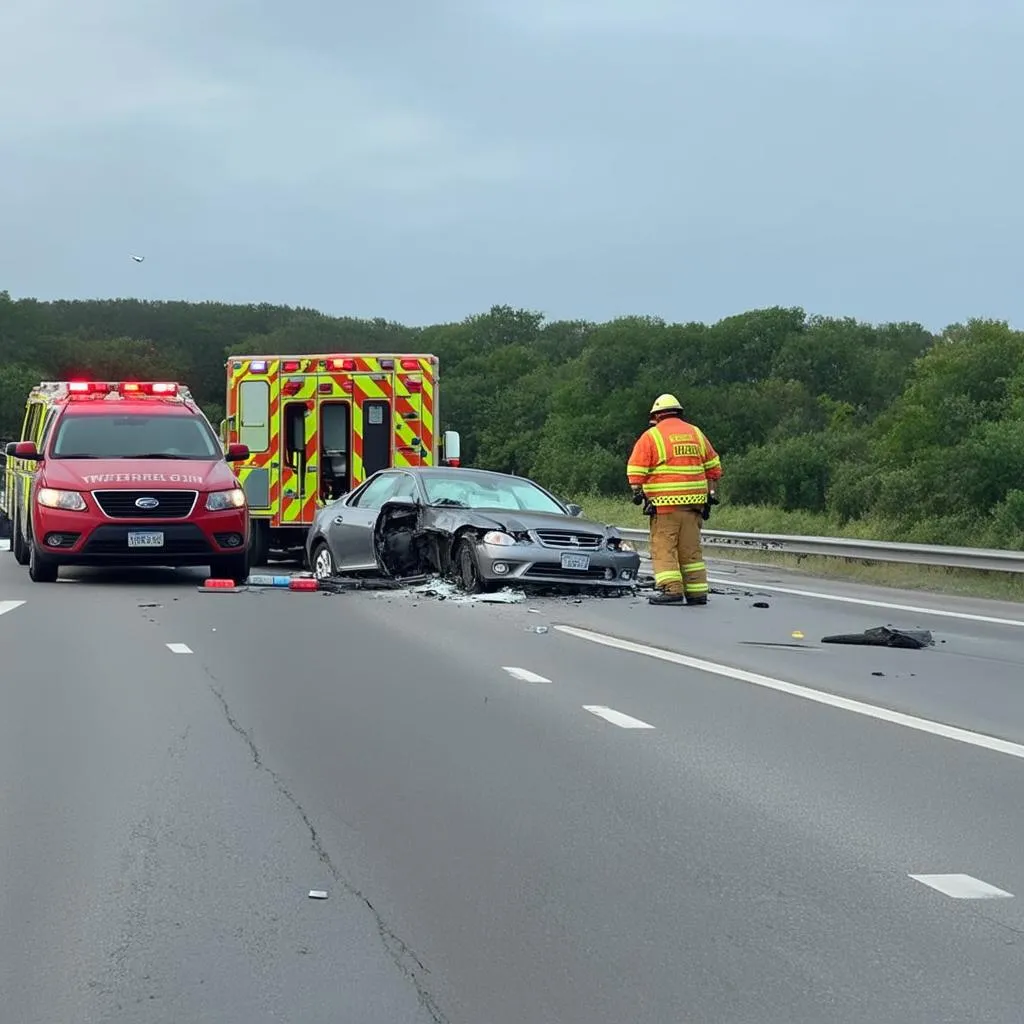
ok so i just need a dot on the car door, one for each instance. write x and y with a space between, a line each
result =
350 532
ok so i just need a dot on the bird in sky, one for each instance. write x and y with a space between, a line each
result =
138 259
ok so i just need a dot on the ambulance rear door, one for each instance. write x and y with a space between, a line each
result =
412 448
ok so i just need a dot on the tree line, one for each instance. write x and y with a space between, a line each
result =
889 422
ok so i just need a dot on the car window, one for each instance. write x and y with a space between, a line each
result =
486 491
377 492
134 435
405 488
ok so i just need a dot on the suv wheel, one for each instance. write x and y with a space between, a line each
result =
231 567
40 568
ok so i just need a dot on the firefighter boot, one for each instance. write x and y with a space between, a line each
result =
665 597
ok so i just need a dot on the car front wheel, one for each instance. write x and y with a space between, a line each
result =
323 562
465 565
40 568
231 567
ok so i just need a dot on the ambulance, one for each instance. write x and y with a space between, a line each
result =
316 426
122 473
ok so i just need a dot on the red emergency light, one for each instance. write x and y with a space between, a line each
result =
303 583
343 364
414 386
292 387
88 387
291 366
410 364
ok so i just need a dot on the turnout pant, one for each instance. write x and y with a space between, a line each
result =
676 555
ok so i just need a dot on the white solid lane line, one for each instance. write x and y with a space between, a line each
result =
9 606
950 732
913 609
179 648
525 674
962 887
616 717
5 545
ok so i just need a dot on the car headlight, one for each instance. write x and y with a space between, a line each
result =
68 501
217 501
624 545
496 537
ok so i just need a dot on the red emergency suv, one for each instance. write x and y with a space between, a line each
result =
125 473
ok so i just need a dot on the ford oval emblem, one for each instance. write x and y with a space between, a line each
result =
146 503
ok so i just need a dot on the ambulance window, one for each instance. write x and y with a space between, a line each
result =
28 432
254 415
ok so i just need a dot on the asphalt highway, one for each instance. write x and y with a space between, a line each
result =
547 812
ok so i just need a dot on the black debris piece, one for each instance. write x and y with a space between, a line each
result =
761 604
341 584
884 636
878 673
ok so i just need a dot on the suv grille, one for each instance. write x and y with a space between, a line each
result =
122 504
568 539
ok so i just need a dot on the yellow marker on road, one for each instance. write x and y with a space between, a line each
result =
797 635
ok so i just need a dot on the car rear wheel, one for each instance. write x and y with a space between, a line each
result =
323 562
40 568
231 567
465 564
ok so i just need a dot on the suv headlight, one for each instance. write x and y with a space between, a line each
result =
218 501
68 501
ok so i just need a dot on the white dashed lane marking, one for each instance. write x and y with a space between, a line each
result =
9 606
949 732
179 648
524 674
962 887
616 717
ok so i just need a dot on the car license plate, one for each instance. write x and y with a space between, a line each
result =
580 562
145 540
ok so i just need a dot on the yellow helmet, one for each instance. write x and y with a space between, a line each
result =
666 403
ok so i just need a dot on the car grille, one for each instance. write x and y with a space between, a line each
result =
121 504
568 539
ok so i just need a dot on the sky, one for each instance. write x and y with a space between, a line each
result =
422 160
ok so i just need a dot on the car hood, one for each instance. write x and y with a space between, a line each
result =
511 521
130 474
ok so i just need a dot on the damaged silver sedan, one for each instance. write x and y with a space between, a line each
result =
484 529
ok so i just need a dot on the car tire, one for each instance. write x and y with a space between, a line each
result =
259 542
322 563
40 568
466 568
231 567
18 544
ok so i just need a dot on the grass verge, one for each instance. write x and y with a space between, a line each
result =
747 519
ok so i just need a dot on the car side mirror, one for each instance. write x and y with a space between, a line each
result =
236 453
24 450
452 448
574 510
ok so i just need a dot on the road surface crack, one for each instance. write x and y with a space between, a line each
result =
404 958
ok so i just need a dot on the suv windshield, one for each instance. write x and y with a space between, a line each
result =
133 436
486 491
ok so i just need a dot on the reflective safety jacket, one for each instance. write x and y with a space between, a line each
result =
673 462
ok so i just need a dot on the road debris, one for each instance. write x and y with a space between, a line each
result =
317 894
797 635
760 604
885 636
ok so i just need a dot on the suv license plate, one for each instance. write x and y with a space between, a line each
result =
581 562
145 540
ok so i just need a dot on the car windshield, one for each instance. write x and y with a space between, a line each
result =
134 436
480 491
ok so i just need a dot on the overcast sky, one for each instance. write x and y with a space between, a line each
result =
421 160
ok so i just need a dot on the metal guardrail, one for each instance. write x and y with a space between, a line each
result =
853 550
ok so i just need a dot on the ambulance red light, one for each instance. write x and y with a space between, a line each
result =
290 366
410 364
324 389
304 583
346 385
291 387
414 386
343 364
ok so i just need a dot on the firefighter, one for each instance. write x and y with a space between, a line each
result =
673 470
